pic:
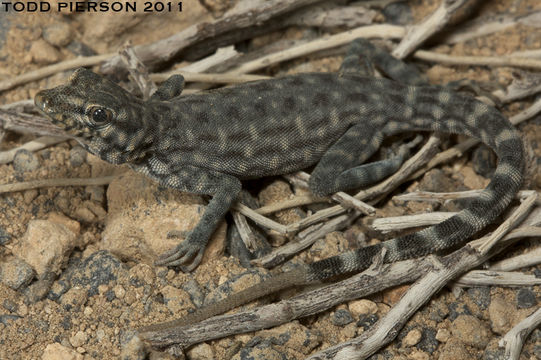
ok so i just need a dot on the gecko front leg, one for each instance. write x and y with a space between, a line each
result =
222 187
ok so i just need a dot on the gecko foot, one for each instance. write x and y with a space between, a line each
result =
186 252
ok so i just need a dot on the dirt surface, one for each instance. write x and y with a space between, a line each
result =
76 263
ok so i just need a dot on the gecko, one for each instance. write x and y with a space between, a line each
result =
208 142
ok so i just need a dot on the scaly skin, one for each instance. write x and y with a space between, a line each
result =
207 143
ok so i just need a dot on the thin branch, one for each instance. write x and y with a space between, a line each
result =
531 258
53 69
514 339
36 184
478 60
395 223
315 301
137 70
496 278
327 42
433 23
208 77
33 145
245 232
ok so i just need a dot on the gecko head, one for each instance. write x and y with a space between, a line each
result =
106 119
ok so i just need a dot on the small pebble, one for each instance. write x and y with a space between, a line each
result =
342 317
43 53
4 237
25 161
412 338
80 338
58 34
526 298
16 273
7 319
77 156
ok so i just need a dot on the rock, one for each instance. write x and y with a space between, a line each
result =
428 342
236 284
42 53
58 34
7 318
61 219
142 215
526 298
262 351
201 351
25 161
77 156
332 244
342 317
456 309
502 314
443 335
412 338
56 351
4 237
74 299
133 347
98 269
398 13
455 350
480 296
176 300
80 49
79 339
392 295
471 331
46 246
15 273
366 321
363 307
293 336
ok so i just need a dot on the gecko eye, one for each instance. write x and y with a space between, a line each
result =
100 115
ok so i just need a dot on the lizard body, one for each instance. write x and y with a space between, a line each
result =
206 143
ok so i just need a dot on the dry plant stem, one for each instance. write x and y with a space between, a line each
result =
208 78
51 70
349 201
24 123
418 294
496 278
289 203
243 15
532 258
433 23
524 84
36 184
444 196
514 339
394 223
478 60
34 145
221 55
245 232
327 42
260 219
304 240
315 301
137 70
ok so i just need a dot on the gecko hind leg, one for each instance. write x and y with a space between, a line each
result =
374 57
